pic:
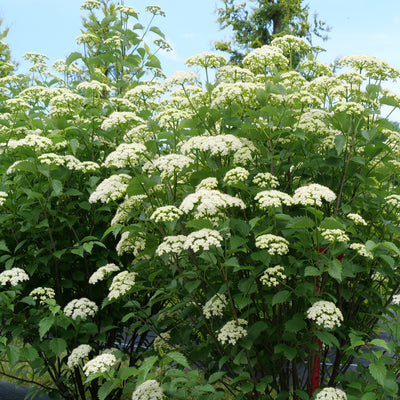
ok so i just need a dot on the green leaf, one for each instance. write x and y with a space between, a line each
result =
340 142
312 271
58 346
295 324
327 338
378 371
301 222
247 286
331 223
237 241
74 143
45 324
380 343
216 376
12 354
57 186
88 247
157 31
73 57
369 396
281 297
147 366
29 353
3 246
125 373
289 352
178 358
335 268
78 251
107 387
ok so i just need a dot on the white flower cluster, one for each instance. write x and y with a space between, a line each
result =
126 154
121 284
42 294
168 165
82 308
209 203
375 68
94 87
232 331
102 273
166 213
77 354
265 179
207 183
312 195
273 275
182 78
233 73
396 299
207 59
161 342
110 189
274 244
118 118
220 145
325 314
357 219
334 235
90 4
273 198
331 394
126 207
215 306
130 244
265 57
34 141
126 10
171 244
148 390
202 239
291 43
393 199
361 250
350 108
3 198
13 276
237 93
68 161
100 363
236 175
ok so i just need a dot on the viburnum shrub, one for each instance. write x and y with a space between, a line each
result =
236 238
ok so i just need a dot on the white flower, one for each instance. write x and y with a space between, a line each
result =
362 250
357 219
182 78
232 331
126 207
238 93
171 244
42 294
100 363
78 354
121 284
273 198
331 394
13 276
202 239
215 306
110 189
166 213
265 179
155 10
393 200
148 390
207 183
3 198
82 308
313 194
94 86
168 165
325 314
130 243
126 154
396 299
209 203
334 235
118 118
272 276
102 273
291 43
274 244
220 145
206 59
236 175
34 141
265 57
161 342
350 107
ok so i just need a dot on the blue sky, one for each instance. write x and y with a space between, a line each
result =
50 27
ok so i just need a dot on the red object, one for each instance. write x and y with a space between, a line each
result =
316 371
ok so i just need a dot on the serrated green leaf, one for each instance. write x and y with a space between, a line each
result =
340 142
216 376
311 271
295 324
335 269
331 223
107 387
73 57
58 346
157 31
378 371
3 246
327 338
301 222
45 324
281 297
369 396
178 358
380 343
247 286
12 354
